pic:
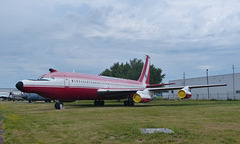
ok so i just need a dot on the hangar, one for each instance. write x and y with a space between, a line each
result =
229 92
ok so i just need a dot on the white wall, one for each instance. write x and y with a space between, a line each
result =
221 93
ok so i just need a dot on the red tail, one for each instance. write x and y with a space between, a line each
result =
145 75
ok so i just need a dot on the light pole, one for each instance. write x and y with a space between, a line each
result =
234 84
207 83
184 79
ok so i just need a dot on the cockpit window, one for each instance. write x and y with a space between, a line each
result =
46 78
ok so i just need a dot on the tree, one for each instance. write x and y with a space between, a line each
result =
132 70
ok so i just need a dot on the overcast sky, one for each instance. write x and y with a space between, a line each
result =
89 36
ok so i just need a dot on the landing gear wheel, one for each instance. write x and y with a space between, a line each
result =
129 102
102 103
58 105
126 103
99 102
95 102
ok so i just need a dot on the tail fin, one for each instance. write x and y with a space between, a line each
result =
145 75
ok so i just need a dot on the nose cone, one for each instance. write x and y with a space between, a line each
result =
19 85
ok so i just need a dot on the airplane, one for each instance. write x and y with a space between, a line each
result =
5 95
71 86
16 96
30 97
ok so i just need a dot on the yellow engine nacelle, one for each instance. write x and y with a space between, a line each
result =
141 98
184 93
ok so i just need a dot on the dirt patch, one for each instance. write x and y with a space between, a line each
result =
1 131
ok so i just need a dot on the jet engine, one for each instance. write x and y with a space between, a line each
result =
142 96
184 93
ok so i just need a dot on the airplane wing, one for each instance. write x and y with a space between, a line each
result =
181 87
4 94
113 93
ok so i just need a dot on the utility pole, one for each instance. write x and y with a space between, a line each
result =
234 96
207 83
184 80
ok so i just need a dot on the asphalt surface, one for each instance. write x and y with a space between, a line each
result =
1 131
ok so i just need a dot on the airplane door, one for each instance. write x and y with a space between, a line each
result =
66 82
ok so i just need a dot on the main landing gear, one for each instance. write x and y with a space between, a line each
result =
99 102
129 102
58 105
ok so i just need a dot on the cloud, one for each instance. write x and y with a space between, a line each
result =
89 36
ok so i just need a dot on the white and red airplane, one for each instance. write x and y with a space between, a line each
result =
71 86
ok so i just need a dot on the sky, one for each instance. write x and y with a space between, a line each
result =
89 36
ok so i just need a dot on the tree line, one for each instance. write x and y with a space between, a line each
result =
132 70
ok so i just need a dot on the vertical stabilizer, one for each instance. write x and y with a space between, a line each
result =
145 75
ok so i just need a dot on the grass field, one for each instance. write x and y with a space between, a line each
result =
192 122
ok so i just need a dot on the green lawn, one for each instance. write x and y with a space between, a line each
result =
192 122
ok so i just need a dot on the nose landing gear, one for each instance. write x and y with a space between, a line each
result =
58 105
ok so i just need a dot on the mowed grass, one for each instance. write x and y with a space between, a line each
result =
82 122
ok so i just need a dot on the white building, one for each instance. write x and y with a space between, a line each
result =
231 91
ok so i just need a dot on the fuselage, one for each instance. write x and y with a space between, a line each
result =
69 86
